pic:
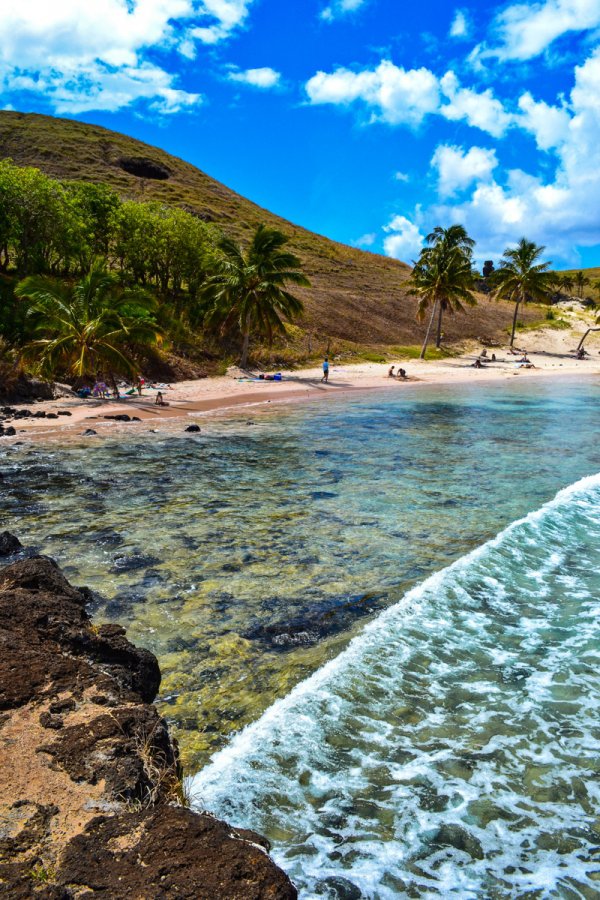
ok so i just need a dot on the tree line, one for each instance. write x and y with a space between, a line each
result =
87 278
444 279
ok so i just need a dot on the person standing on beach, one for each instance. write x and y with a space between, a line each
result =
325 377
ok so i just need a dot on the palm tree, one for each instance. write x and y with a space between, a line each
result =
567 283
248 289
581 280
447 240
85 326
443 277
521 277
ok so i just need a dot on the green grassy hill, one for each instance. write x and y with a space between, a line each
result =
355 296
593 273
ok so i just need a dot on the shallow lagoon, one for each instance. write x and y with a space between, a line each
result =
247 556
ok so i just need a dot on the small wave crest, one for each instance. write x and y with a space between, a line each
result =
449 747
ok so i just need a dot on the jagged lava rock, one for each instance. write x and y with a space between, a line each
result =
91 775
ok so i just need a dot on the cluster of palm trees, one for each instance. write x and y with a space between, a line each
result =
443 278
98 325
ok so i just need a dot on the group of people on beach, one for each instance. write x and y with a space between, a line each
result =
100 390
401 373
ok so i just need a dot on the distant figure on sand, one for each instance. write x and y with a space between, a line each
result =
391 373
477 364
325 377
159 400
401 373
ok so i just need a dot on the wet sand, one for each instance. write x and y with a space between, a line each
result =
550 351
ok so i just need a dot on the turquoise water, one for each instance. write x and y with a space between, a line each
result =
450 749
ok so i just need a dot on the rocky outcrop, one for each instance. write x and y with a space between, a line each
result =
91 793
25 388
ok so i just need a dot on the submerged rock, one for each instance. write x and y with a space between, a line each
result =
318 621
132 561
9 544
90 802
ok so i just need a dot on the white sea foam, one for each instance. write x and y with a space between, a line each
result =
449 748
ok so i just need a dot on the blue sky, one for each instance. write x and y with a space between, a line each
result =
370 121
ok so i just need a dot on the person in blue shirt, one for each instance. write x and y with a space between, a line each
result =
325 377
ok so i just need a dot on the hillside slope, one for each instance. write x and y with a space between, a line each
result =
355 295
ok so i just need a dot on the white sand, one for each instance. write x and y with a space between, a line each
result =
551 351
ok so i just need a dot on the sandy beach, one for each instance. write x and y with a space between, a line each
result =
552 353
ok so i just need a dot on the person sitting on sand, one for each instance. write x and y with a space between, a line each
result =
477 364
160 401
524 359
391 373
493 357
581 353
401 373
483 353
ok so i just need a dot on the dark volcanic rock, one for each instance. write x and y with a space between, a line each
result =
90 773
9 544
318 621
133 561
42 653
193 428
172 852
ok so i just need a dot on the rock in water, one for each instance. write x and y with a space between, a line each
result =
89 804
9 544
194 428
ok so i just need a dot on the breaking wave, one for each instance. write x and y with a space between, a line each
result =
451 749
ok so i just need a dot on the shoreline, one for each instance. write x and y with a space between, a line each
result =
224 394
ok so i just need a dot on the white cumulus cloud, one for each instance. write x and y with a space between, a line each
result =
548 124
562 210
366 240
457 169
401 96
82 56
340 8
479 109
404 239
524 30
394 94
264 77
460 27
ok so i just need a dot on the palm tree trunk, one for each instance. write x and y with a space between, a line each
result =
245 348
580 344
426 341
438 340
514 324
113 381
